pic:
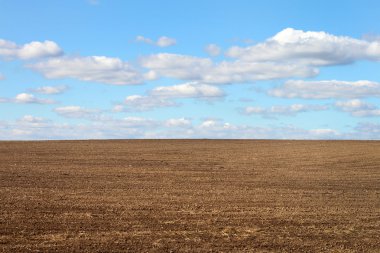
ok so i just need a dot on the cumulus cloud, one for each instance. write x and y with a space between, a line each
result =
372 37
211 124
136 122
176 66
165 41
164 96
289 53
192 68
31 127
241 72
282 110
323 132
326 89
358 108
143 39
99 69
145 103
212 50
211 128
366 130
32 50
137 127
50 90
76 112
28 123
162 41
118 108
309 48
26 98
32 119
188 90
354 105
180 122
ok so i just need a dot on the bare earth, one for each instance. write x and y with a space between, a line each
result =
190 196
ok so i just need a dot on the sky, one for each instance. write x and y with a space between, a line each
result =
114 69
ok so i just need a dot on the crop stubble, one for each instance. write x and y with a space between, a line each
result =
190 195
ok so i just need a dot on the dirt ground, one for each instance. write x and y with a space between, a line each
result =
190 196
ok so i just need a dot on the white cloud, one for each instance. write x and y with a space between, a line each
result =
210 128
176 66
37 49
32 50
366 113
26 98
99 69
31 119
51 89
241 72
188 90
353 105
165 41
213 49
186 67
162 41
326 89
282 110
30 127
144 103
118 108
76 112
136 122
211 124
366 130
180 122
309 48
8 49
290 53
29 122
358 108
143 39
164 96
324 132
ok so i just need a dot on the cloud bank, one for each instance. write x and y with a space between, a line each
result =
308 48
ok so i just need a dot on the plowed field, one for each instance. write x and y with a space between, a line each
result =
190 196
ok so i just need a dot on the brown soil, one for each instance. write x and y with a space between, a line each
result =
190 196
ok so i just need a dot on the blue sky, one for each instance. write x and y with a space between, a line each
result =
189 69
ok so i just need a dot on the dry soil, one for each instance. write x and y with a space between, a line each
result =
190 196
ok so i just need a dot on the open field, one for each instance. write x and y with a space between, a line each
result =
190 195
